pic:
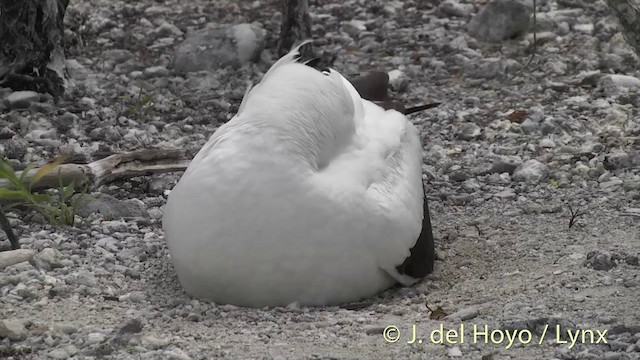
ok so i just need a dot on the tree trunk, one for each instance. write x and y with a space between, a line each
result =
628 13
296 26
31 45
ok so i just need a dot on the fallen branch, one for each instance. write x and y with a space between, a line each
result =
117 166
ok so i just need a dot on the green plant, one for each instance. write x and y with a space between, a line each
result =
140 107
57 207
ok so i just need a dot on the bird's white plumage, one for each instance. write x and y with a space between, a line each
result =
310 194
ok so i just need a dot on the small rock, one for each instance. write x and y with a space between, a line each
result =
618 160
469 131
58 354
584 28
86 278
167 29
48 259
600 260
218 46
506 164
611 183
154 343
625 81
500 20
64 353
506 194
21 99
547 143
374 330
464 314
398 80
112 208
531 171
12 257
176 354
116 55
13 330
65 328
95 338
203 81
489 68
633 260
610 355
631 283
454 351
455 8
155 71
132 326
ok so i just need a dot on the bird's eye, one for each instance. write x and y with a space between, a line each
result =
326 72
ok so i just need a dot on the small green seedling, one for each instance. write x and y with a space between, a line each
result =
57 208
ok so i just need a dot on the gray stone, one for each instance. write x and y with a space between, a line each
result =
506 164
13 330
13 148
610 184
12 257
112 208
615 161
132 326
488 68
76 70
631 283
531 171
155 71
464 314
116 55
202 81
176 354
86 278
215 46
600 260
65 328
506 194
633 260
455 8
154 343
48 259
625 81
546 143
167 29
58 354
500 20
21 99
95 338
454 351
398 81
469 131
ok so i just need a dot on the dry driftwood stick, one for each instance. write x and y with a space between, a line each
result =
117 166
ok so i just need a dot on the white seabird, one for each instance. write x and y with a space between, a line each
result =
310 194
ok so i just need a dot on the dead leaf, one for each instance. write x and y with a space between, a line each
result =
517 116
436 314
48 167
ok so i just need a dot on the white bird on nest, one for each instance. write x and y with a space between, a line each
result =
309 195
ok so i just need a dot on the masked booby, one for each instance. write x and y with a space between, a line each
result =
310 194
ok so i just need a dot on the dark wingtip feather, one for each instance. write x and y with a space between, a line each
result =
422 258
372 86
416 109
